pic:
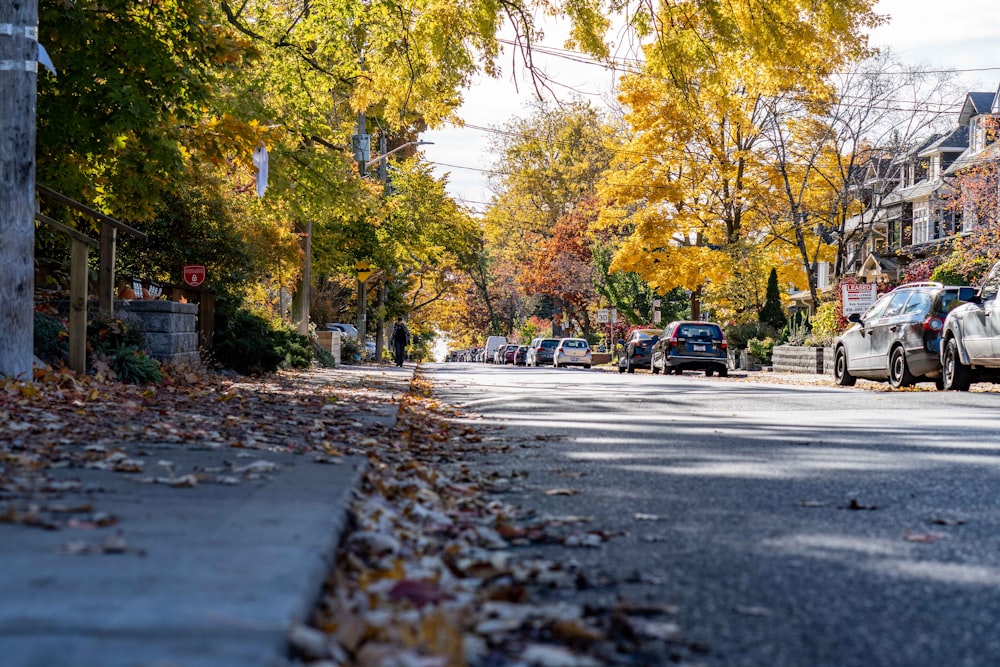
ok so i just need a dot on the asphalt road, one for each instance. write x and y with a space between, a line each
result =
790 525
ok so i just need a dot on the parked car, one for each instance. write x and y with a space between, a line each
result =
898 339
970 345
572 352
521 355
493 343
637 350
540 351
506 355
691 346
344 328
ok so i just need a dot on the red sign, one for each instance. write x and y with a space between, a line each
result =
194 274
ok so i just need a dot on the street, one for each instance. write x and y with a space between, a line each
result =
788 524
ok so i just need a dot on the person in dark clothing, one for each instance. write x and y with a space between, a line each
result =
400 340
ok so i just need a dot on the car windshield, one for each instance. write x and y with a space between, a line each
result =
699 331
575 344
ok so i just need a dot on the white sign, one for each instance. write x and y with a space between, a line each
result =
858 297
602 316
656 316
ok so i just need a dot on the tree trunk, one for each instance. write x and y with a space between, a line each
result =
696 304
18 65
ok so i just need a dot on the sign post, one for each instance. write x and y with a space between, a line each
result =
194 275
858 297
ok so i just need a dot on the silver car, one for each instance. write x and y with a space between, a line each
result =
898 339
970 347
572 352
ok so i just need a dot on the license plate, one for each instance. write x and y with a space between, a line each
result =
698 348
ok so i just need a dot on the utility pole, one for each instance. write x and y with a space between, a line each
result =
383 174
18 102
362 153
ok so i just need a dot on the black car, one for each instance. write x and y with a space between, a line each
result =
638 350
694 346
898 339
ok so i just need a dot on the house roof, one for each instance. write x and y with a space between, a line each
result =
923 188
970 157
955 141
975 104
876 265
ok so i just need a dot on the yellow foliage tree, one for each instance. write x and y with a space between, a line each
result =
693 187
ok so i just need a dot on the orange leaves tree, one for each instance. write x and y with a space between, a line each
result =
974 192
563 267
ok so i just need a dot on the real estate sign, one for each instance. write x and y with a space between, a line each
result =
858 297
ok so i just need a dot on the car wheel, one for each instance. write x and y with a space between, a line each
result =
631 365
957 376
899 373
723 372
709 372
842 376
586 365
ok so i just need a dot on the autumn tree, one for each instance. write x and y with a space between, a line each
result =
690 180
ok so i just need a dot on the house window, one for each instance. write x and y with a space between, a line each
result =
921 222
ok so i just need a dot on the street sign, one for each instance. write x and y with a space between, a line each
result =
656 316
656 303
194 275
364 270
858 297
603 316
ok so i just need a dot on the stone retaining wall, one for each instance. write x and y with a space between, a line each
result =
171 328
330 340
796 359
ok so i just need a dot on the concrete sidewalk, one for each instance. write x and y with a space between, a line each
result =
208 576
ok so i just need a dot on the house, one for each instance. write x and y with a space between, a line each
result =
915 219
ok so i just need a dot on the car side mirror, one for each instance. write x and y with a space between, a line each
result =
854 317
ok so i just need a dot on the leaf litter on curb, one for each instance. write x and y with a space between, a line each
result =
429 571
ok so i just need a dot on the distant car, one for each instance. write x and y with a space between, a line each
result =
572 352
540 351
898 339
638 350
694 346
493 344
343 328
521 355
970 347
507 354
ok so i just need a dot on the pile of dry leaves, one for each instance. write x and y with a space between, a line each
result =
430 574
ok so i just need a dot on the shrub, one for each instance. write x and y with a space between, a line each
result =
51 340
738 335
772 312
248 343
825 324
761 348
134 366
798 329
350 350
107 335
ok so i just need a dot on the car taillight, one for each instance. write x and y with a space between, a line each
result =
933 324
672 342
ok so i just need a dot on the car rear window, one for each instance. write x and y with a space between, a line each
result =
699 331
575 344
550 343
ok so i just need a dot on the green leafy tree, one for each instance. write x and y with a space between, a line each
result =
772 313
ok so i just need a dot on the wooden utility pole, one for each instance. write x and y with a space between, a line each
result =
18 97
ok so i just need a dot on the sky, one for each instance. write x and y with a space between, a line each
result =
959 34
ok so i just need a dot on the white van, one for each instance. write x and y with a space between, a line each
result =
493 343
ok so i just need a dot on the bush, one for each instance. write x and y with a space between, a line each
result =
51 340
762 349
108 335
249 344
134 366
738 335
798 329
825 325
350 350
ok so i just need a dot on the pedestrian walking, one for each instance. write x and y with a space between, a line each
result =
400 340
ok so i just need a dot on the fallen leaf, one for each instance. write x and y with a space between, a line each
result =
561 492
924 537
